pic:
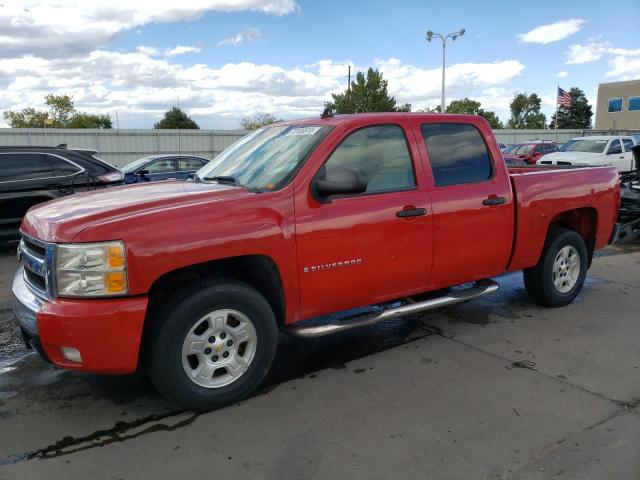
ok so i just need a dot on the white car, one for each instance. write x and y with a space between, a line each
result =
598 150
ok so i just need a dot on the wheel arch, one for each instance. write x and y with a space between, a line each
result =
582 220
258 271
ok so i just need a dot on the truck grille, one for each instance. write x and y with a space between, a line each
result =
36 257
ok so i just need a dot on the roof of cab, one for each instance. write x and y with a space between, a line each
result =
338 119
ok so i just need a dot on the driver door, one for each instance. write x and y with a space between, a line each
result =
366 248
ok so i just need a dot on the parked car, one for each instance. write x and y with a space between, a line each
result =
32 175
314 219
530 151
600 150
163 167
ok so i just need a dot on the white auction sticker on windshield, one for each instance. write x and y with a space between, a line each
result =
303 131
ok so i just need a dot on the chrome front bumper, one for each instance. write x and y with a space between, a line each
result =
26 304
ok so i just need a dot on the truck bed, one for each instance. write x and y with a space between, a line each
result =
578 197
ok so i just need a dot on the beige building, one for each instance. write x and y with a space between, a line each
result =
618 106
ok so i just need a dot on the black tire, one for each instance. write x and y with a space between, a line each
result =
179 314
538 280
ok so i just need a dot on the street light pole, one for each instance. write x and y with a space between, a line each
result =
452 36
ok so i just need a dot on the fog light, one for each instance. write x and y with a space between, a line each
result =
71 354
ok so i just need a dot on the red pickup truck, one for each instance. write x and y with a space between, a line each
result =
291 223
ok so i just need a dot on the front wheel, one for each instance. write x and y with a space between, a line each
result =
560 273
214 344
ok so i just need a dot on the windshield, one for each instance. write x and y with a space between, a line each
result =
133 166
266 159
519 149
589 146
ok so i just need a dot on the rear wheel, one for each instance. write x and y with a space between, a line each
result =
214 344
560 273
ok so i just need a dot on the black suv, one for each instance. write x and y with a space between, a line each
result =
32 175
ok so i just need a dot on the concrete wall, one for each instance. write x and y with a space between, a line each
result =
509 136
121 147
625 119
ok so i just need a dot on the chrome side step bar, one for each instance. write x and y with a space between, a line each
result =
479 289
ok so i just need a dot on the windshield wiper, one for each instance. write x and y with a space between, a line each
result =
224 179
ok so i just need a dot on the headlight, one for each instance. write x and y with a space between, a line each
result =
91 269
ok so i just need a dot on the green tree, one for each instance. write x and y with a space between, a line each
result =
258 120
367 94
525 112
578 115
472 107
176 118
85 120
26 118
61 114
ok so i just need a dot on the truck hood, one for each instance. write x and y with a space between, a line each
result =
578 157
63 219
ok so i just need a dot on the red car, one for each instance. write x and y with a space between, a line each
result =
297 221
529 152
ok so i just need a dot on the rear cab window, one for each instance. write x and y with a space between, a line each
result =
457 153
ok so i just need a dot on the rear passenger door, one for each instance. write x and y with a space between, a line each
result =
470 199
628 143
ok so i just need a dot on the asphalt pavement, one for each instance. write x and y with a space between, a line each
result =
496 388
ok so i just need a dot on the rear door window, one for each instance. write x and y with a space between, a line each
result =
457 153
628 143
190 164
62 167
24 166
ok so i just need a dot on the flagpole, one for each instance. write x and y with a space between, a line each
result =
557 91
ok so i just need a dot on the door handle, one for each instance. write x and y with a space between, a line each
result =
494 200
411 212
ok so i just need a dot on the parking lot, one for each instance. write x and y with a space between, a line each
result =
495 388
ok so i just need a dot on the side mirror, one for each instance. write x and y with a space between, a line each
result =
143 172
339 181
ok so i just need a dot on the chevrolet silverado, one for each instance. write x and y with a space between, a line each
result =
294 222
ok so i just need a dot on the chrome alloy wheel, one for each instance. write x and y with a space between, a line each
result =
219 348
566 269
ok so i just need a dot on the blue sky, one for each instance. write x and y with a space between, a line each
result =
226 59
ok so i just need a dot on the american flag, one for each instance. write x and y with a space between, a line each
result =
564 98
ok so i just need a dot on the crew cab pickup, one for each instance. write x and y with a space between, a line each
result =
292 223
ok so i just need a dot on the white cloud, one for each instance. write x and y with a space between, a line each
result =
181 50
232 41
587 53
625 67
250 35
147 50
52 29
141 86
552 32
623 62
562 74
